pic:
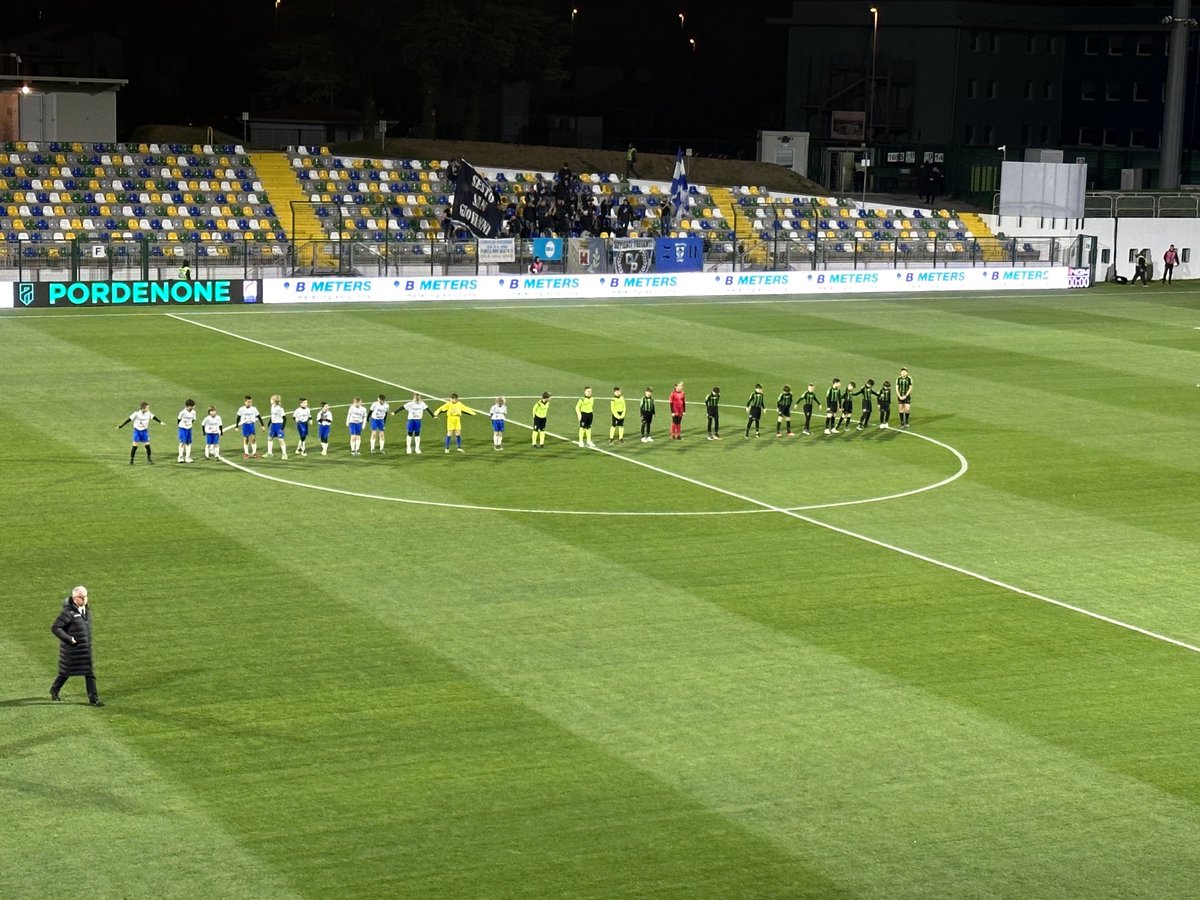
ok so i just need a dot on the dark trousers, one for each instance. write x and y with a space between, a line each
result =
88 680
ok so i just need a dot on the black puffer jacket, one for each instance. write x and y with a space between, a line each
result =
74 658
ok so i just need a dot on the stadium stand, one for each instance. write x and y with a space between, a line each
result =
102 192
302 203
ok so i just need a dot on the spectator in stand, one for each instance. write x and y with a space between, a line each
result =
535 267
631 161
664 217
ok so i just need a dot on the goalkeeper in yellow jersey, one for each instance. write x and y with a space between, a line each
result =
454 410
616 406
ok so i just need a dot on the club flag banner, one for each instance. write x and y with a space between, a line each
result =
474 205
679 185
497 250
679 255
548 249
587 255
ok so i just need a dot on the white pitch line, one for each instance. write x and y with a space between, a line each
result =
503 509
606 512
762 504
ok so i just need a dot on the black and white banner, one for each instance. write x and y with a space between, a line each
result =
475 205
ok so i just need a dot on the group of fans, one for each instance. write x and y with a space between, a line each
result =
838 405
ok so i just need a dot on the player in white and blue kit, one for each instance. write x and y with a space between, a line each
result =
356 417
141 419
301 415
278 416
246 416
379 414
416 409
324 426
498 412
212 427
186 419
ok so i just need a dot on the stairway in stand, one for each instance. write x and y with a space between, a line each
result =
756 249
977 228
292 206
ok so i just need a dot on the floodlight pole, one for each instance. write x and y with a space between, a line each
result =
870 136
1172 141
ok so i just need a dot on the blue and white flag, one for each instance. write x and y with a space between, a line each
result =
679 185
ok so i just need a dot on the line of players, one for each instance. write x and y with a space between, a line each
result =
839 406
839 413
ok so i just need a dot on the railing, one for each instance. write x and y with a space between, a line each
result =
136 260
1126 205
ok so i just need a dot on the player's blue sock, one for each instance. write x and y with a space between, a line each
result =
458 439
447 442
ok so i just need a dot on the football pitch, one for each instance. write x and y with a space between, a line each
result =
955 661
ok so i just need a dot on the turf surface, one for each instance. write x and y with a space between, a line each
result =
674 669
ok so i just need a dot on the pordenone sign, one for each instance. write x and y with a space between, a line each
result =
93 294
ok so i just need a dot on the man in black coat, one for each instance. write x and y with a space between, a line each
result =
73 628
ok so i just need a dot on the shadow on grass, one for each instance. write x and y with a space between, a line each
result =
28 701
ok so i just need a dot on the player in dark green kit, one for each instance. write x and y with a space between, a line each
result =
808 400
754 408
903 396
833 406
847 408
868 393
784 407
647 412
885 404
712 409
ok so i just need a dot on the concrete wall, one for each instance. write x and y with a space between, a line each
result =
1119 237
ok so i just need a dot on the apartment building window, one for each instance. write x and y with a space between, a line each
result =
1047 136
989 134
1112 90
978 39
1087 90
970 134
1145 45
1116 45
1088 135
993 89
1052 45
972 88
1091 45
1029 89
1137 137
1141 92
1031 44
1112 137
1048 90
1026 135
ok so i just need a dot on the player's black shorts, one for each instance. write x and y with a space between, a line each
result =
676 420
755 412
618 421
785 411
907 399
847 406
539 423
647 417
585 420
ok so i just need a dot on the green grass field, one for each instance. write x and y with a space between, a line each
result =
670 670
